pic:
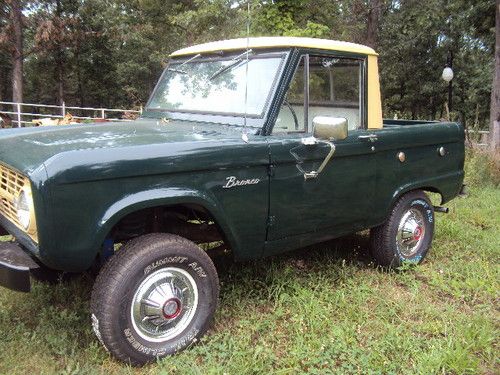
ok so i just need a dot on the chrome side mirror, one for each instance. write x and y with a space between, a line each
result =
325 129
329 128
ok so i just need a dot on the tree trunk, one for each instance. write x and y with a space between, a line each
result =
59 57
60 77
495 89
79 78
2 79
17 54
373 22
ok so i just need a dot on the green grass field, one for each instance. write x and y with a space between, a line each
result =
321 310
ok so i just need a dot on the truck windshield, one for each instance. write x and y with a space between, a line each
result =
218 85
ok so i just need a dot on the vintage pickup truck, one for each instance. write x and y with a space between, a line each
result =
251 147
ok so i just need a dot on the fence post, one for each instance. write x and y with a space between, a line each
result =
103 114
18 110
495 136
63 109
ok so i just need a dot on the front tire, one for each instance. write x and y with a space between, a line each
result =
156 296
407 234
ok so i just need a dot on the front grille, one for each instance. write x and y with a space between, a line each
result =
11 183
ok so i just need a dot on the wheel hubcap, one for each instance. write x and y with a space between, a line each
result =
172 308
164 304
410 233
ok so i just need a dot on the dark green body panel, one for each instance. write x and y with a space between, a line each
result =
87 190
424 167
86 178
359 185
336 200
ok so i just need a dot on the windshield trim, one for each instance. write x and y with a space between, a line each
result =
263 55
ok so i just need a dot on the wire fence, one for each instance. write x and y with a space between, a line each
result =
22 114
477 138
19 117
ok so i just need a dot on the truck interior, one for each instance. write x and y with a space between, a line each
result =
334 90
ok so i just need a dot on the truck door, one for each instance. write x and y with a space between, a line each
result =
339 199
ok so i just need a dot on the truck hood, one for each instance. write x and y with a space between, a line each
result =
28 149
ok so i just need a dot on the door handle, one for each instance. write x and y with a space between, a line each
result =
368 137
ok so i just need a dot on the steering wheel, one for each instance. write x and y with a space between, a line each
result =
295 119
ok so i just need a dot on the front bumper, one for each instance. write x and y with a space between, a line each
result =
15 267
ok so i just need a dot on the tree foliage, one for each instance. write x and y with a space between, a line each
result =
111 52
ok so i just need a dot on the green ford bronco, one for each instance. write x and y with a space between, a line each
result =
249 147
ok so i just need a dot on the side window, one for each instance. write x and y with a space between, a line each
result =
335 89
291 115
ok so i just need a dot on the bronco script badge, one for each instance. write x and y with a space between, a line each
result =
232 181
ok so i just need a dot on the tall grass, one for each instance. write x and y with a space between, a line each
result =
482 168
325 309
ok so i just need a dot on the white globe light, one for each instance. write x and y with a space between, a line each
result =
447 74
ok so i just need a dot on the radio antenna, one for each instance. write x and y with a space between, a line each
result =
244 136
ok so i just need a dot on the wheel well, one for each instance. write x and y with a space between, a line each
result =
431 189
191 221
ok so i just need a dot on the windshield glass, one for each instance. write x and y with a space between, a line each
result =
218 86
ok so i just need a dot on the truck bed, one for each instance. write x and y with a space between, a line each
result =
388 123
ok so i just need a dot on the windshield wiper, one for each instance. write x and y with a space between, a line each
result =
235 61
178 70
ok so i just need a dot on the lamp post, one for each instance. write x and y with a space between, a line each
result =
448 76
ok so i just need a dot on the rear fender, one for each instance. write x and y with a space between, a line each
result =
447 187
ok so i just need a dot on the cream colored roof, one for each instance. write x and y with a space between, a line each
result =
270 42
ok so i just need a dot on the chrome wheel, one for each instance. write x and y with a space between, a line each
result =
411 232
164 304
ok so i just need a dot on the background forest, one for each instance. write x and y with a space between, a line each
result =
110 52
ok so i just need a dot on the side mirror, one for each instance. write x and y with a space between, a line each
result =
329 128
326 129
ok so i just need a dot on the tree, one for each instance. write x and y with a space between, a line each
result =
5 60
373 24
11 38
495 91
110 53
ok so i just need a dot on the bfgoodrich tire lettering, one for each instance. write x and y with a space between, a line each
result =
407 234
153 298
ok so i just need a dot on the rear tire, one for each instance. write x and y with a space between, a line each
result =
407 234
156 296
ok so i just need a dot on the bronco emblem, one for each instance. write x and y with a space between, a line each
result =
232 181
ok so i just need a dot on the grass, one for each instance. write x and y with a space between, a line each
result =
321 310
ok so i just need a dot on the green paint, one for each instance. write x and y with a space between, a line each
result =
85 178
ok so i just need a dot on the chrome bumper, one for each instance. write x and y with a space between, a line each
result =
15 267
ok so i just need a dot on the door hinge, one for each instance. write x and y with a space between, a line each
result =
270 170
271 220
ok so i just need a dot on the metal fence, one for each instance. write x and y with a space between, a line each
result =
477 138
19 116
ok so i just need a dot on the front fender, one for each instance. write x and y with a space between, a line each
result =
83 227
160 197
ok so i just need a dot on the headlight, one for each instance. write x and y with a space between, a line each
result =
23 209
